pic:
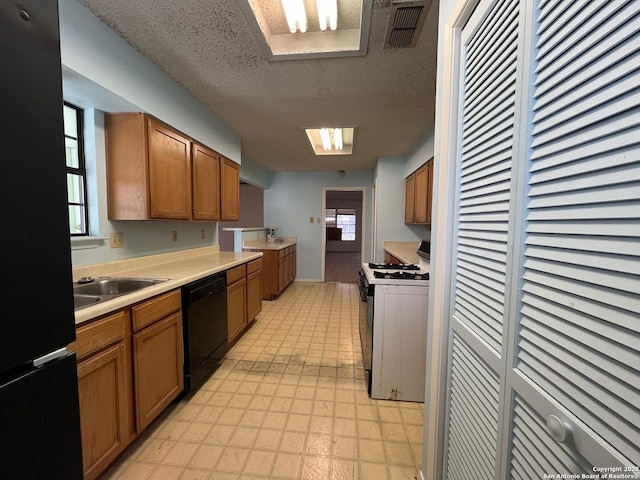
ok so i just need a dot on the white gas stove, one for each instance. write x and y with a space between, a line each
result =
393 329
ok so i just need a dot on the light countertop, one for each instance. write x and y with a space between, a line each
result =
262 244
179 267
404 251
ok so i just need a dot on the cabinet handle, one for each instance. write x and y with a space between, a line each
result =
559 430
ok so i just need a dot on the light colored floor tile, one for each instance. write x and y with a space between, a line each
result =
180 454
288 402
287 466
206 457
292 442
232 460
342 469
315 468
318 444
259 462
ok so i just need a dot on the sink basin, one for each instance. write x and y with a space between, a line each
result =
80 301
114 285
92 291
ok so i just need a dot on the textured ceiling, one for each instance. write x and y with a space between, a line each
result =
208 47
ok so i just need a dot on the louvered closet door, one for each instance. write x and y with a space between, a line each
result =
576 378
483 229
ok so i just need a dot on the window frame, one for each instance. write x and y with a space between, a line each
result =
335 213
80 170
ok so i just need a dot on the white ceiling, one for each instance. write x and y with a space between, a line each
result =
209 48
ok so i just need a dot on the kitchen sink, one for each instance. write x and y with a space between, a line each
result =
80 301
89 291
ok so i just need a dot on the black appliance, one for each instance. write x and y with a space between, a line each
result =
39 407
424 249
365 324
204 306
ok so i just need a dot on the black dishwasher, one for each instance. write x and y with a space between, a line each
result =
204 305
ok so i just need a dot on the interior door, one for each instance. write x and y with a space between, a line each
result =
544 341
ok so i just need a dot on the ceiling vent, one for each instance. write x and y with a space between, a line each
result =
405 22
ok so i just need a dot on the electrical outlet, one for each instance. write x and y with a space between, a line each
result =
116 240
174 235
202 234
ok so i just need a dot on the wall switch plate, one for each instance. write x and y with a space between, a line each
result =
310 219
174 235
116 240
318 220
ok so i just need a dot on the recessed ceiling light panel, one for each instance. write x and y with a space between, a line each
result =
345 33
331 140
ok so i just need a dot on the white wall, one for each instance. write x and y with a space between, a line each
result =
390 174
294 197
101 69
92 50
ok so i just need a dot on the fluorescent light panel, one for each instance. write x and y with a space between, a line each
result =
296 14
331 140
327 14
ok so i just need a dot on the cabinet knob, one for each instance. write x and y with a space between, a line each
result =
559 430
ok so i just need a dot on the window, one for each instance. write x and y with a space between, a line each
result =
343 218
76 172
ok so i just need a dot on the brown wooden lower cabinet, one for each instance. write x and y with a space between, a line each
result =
103 350
236 301
278 270
158 358
134 349
254 289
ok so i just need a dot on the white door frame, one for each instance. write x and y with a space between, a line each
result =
324 223
442 238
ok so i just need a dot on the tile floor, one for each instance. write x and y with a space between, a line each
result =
288 402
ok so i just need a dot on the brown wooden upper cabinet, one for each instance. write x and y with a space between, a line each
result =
206 183
155 172
418 195
230 190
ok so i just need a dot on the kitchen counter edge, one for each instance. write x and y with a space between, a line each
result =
264 245
179 272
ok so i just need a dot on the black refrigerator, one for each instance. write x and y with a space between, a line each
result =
39 415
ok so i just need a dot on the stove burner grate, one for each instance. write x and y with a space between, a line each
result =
401 275
394 266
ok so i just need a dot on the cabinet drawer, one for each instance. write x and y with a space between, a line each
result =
99 334
254 266
153 310
282 253
235 274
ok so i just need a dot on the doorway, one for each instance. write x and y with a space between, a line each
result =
343 241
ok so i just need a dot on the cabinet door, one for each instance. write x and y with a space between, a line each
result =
230 190
421 194
282 273
158 367
294 261
254 295
206 183
270 277
104 413
236 307
409 198
169 172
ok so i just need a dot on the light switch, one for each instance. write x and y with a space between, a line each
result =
310 219
318 220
